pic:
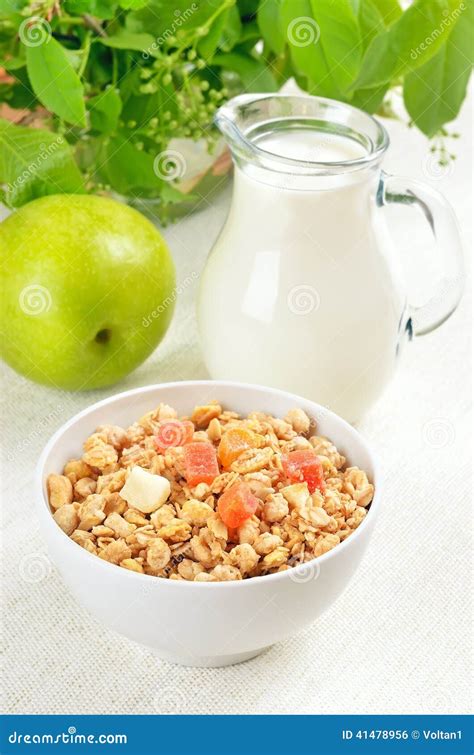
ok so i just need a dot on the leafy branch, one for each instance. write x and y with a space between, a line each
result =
118 80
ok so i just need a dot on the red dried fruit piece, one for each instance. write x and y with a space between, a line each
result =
172 433
237 504
304 466
200 463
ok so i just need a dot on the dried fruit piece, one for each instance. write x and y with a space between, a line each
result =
237 504
271 497
200 463
144 491
233 443
172 433
304 466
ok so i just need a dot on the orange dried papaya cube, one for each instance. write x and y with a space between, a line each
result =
304 466
237 504
233 443
200 463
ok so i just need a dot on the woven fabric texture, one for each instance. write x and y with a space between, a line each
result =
397 639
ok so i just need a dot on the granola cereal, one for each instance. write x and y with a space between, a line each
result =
211 497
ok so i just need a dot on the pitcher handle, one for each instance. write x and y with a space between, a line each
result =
443 223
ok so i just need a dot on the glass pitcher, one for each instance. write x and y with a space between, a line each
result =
302 290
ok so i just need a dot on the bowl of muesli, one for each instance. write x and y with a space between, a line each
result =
206 519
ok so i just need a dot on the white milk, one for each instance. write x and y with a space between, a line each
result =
298 292
311 146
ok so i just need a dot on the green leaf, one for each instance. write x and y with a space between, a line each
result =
268 18
126 40
140 108
128 170
103 9
390 10
232 30
254 74
371 21
13 64
133 4
411 41
250 32
105 110
164 20
370 99
19 94
208 44
99 67
248 8
34 162
75 57
325 43
434 93
170 195
55 82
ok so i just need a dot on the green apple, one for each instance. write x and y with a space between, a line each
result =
88 290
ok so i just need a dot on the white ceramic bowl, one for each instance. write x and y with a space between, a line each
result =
203 624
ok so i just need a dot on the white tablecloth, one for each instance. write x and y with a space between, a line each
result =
397 640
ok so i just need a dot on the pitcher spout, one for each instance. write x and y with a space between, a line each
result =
231 120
